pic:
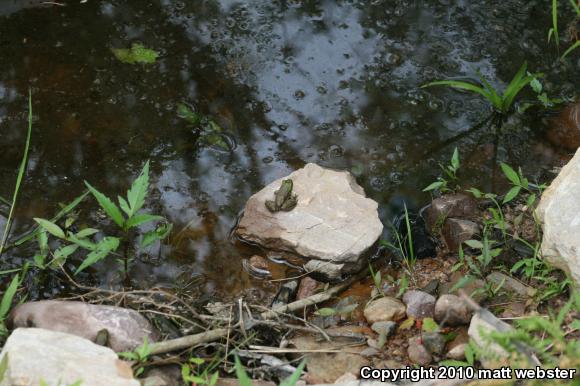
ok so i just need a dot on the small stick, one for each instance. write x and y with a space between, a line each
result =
188 341
311 300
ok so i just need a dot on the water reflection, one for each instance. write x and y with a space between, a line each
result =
332 82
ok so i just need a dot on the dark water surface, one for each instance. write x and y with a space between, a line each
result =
331 82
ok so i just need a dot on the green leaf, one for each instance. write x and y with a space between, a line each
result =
536 85
293 379
8 297
511 194
136 54
514 87
138 191
475 244
465 280
530 200
555 22
455 159
434 185
108 206
476 192
510 174
241 373
64 252
124 205
187 113
453 363
50 227
84 243
86 232
160 233
104 247
429 325
325 311
463 86
197 361
142 219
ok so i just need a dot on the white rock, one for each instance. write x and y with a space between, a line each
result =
559 212
482 324
127 328
59 359
332 225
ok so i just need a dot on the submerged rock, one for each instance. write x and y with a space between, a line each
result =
126 328
333 224
564 129
559 213
36 355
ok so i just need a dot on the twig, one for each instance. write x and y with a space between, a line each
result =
311 300
188 341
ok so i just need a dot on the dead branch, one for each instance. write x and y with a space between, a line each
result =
188 341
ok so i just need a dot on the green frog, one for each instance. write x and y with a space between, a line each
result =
283 198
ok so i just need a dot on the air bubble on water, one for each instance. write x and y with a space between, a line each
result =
267 160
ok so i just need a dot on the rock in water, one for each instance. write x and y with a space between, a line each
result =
559 213
564 129
126 328
36 354
333 224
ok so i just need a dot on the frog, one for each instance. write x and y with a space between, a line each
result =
284 200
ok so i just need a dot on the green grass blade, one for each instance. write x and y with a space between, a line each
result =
494 98
108 206
64 211
241 373
518 82
4 201
8 296
293 379
138 191
570 49
21 171
459 84
576 7
555 22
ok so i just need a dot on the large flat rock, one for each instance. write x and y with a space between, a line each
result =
37 355
559 213
333 224
127 328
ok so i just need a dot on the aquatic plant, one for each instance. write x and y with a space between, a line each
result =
553 31
132 218
450 171
6 302
136 54
210 133
502 103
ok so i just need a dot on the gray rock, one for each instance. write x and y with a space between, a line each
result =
511 285
420 305
455 231
333 222
417 353
479 329
559 213
384 309
57 358
386 328
450 310
127 328
455 205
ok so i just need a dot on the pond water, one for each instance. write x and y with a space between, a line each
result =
290 82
